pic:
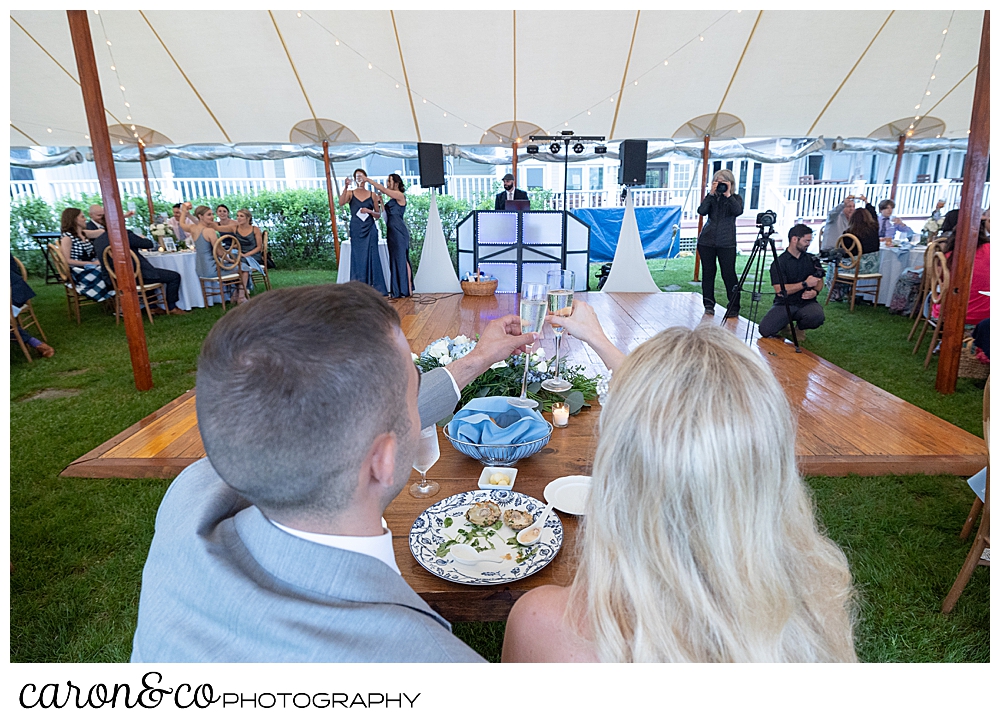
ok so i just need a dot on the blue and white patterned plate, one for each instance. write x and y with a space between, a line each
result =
429 532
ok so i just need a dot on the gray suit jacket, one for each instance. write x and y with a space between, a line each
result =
223 584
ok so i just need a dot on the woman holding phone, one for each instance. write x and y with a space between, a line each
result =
366 266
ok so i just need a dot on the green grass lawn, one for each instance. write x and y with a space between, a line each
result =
78 545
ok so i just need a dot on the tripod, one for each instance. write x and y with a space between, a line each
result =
756 261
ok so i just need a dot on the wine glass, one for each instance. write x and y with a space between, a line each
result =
533 302
561 284
428 453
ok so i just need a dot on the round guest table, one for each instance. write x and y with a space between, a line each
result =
184 264
344 268
891 264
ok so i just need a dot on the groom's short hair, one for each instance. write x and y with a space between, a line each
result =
293 388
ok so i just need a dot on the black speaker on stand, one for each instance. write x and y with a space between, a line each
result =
430 158
632 156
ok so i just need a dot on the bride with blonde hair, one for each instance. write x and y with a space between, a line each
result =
700 542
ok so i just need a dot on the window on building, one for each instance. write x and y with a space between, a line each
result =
925 162
814 166
755 186
742 185
937 167
183 168
536 178
657 175
681 176
873 176
575 180
16 172
596 178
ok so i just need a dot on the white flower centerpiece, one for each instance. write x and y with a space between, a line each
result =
503 379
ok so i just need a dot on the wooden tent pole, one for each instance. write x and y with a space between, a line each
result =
514 162
329 196
956 299
90 84
701 219
899 163
145 178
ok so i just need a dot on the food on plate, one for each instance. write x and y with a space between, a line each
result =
517 519
483 513
531 535
499 479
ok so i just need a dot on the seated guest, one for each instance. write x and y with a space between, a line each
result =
700 543
175 225
803 278
509 193
79 254
222 211
276 551
865 228
979 304
21 294
202 228
888 224
838 220
981 337
936 214
949 222
251 240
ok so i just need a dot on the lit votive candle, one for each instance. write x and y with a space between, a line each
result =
560 414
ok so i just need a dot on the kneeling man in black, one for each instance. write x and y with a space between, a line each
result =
803 277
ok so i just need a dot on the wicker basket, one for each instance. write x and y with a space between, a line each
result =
969 367
479 288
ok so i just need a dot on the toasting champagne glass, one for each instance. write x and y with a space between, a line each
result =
533 301
428 453
560 298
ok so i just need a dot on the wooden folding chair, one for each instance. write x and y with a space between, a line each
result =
925 286
850 272
142 288
940 277
73 299
254 274
227 254
981 542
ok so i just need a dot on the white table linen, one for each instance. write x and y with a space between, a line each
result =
344 268
183 262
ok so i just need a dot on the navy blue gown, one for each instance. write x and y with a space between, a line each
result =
366 266
398 240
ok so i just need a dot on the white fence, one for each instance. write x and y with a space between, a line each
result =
912 199
808 202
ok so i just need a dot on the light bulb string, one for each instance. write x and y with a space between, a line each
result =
937 59
114 69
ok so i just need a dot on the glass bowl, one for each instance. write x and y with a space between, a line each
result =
500 455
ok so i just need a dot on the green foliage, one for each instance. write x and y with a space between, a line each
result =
451 210
30 215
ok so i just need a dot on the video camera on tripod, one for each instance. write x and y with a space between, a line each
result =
767 218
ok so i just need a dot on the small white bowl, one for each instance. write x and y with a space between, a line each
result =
484 478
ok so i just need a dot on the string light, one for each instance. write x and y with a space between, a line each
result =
372 66
114 68
666 61
122 87
87 137
933 75
49 130
298 14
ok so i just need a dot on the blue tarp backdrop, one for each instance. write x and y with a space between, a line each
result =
656 229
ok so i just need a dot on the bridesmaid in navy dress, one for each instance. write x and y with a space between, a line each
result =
397 235
366 266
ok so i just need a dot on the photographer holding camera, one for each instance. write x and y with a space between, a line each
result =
803 277
718 238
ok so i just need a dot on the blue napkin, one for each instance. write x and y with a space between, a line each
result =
493 420
978 484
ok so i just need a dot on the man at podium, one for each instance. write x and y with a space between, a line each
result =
509 193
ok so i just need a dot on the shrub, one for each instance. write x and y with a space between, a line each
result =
30 215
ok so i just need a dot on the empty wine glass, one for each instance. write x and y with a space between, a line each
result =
533 302
560 298
428 453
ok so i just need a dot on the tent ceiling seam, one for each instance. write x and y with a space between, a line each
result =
711 128
406 78
851 71
186 79
291 62
621 90
25 135
61 66
515 70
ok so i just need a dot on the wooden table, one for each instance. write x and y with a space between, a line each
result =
570 451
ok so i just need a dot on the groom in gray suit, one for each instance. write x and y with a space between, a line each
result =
273 549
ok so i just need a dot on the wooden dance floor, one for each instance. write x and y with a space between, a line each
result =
846 425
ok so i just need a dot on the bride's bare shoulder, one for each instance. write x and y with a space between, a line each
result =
537 631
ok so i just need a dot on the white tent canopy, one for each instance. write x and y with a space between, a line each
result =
782 73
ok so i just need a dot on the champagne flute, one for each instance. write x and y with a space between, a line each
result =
428 453
561 284
533 302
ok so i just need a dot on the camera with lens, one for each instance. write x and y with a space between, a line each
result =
721 188
767 218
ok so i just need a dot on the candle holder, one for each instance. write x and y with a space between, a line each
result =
560 414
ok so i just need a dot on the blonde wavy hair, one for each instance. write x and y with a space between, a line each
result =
700 542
